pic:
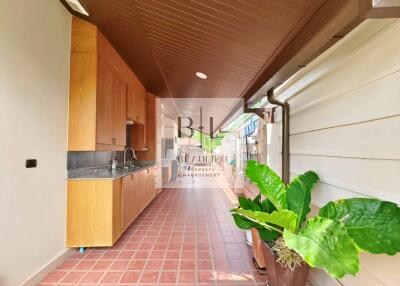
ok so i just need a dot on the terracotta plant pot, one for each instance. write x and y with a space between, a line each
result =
257 250
277 275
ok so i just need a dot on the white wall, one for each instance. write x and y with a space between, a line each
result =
345 125
34 83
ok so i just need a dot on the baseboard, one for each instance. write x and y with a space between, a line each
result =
38 276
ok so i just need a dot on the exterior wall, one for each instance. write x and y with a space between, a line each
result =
34 84
345 125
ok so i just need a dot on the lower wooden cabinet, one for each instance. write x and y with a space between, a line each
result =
130 199
99 211
94 210
146 191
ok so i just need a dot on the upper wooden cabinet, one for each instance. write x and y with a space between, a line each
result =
104 92
143 139
110 104
136 103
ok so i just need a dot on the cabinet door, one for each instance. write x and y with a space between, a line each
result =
119 110
150 188
130 205
126 201
141 112
110 105
104 102
131 102
135 195
142 188
154 181
147 186
116 210
138 137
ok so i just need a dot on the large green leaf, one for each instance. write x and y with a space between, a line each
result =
373 225
284 218
242 222
248 204
324 243
267 235
267 206
299 194
269 183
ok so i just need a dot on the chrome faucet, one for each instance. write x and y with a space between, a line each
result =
133 156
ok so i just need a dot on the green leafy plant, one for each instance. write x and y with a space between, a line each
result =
243 222
332 240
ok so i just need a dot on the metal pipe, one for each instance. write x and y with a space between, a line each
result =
285 135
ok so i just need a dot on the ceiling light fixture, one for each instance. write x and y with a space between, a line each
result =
76 6
162 106
201 75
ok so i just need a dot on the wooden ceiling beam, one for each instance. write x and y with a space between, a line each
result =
329 24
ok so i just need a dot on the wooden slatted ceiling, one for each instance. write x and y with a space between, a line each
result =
228 40
167 41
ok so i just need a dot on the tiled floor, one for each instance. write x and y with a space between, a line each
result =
184 237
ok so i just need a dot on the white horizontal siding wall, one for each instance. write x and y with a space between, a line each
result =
345 125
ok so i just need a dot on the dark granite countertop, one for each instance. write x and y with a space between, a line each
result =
104 172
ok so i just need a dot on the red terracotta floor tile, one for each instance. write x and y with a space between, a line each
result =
72 277
172 255
168 277
206 276
171 265
130 277
54 276
154 264
149 277
142 254
68 265
110 254
184 237
119 265
136 264
94 255
126 254
188 265
92 277
102 265
111 277
85 265
204 265
187 277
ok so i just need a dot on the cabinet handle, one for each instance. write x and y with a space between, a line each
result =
114 140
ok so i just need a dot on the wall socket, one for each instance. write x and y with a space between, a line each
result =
30 163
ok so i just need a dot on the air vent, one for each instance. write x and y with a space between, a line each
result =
76 6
